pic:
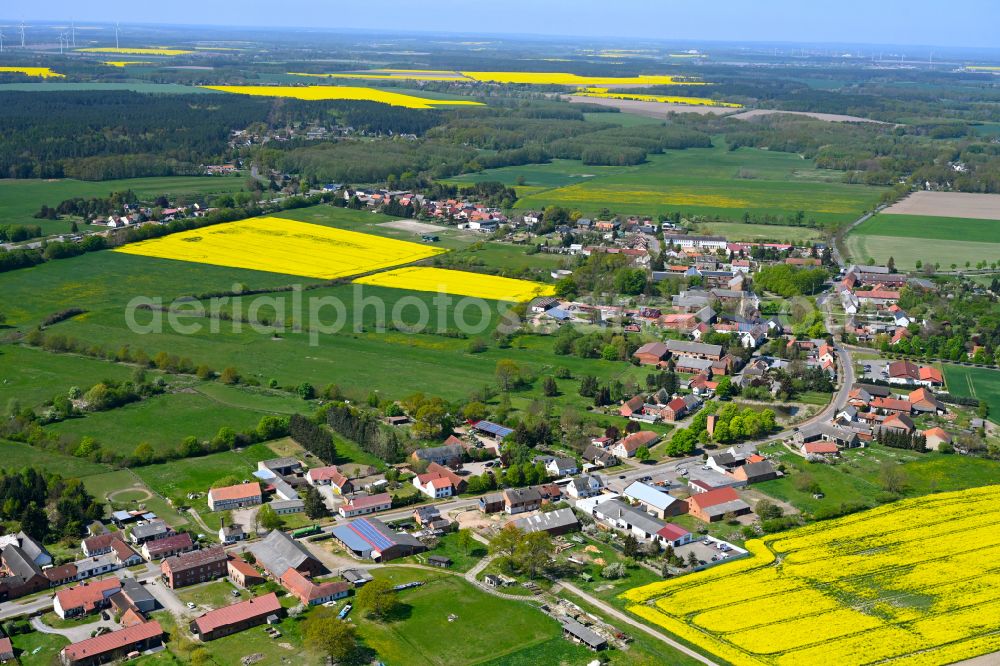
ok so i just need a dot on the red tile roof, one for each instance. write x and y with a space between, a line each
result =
324 473
237 492
893 404
820 447
364 501
713 497
169 544
928 373
243 566
244 610
307 591
112 641
88 595
637 439
6 649
99 542
672 532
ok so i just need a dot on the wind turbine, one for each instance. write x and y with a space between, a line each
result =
72 31
1 41
116 35
63 40
21 28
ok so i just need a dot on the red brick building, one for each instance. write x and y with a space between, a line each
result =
195 567
237 617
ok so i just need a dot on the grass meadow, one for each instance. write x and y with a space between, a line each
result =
928 239
21 199
713 182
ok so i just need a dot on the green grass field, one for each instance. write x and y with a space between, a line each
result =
33 376
162 421
855 478
21 199
177 478
17 455
975 383
737 231
423 634
909 238
38 649
701 181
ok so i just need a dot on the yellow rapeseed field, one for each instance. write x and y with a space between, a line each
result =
533 78
125 63
44 72
135 51
277 245
911 583
459 283
665 99
344 92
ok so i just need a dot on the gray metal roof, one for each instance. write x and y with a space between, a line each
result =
583 634
685 347
650 495
150 529
278 552
548 521
616 509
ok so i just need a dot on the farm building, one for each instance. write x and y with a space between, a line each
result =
713 505
173 545
277 552
237 617
113 646
560 521
654 500
370 538
311 593
234 497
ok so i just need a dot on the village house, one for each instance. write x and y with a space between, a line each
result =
242 573
236 617
22 577
491 503
599 457
360 505
173 545
330 476
521 500
85 598
150 531
586 485
627 446
448 455
935 437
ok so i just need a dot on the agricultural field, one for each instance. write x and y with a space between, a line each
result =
40 72
948 204
817 595
654 110
458 283
134 86
602 93
278 245
32 376
346 93
979 383
21 199
711 182
521 78
926 238
136 51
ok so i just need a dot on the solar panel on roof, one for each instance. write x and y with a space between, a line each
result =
494 429
369 533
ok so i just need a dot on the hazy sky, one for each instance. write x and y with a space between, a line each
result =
952 23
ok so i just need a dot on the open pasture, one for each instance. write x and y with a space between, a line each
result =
817 595
458 283
279 245
344 92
